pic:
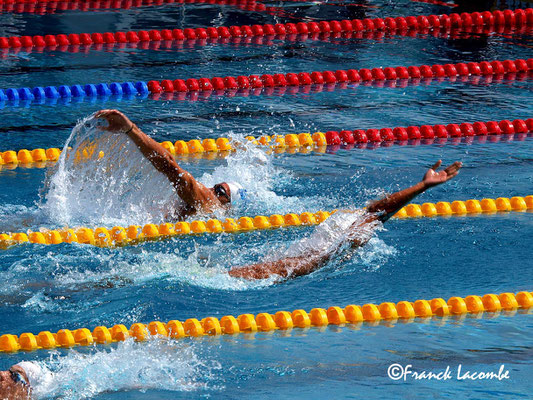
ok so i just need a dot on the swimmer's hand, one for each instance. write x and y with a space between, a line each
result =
388 206
117 121
434 178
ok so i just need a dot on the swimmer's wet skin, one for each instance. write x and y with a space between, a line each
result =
196 196
377 212
14 384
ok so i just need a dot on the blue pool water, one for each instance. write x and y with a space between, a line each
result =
72 286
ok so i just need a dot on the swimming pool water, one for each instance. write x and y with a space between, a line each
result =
71 286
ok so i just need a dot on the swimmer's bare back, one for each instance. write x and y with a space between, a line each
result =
380 210
196 196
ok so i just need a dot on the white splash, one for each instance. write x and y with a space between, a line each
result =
251 167
120 187
159 364
40 302
346 238
148 266
337 230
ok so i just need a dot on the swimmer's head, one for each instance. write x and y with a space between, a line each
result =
230 193
34 372
14 383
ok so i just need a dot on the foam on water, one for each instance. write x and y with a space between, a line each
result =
155 266
157 364
46 283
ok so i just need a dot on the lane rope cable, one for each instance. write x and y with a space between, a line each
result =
369 314
317 142
133 234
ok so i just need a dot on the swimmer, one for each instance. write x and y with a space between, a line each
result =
16 383
196 196
358 234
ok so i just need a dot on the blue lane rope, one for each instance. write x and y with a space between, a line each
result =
40 94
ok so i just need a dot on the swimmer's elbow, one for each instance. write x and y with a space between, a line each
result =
383 217
251 273
285 268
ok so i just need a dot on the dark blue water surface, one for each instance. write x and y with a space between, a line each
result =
72 286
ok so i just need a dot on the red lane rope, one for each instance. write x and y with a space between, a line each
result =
485 21
450 33
328 87
484 68
50 7
432 133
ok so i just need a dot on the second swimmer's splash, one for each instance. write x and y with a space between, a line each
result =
151 365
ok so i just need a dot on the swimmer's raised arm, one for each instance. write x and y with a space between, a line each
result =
187 187
381 210
389 205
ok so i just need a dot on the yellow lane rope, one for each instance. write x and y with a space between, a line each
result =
265 322
195 149
289 143
119 236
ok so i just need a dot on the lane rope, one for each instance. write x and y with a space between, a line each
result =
485 22
229 84
317 141
277 91
369 314
134 234
51 6
269 40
